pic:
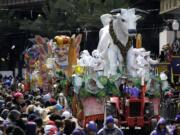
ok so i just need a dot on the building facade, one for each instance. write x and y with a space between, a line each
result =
170 8
170 11
18 2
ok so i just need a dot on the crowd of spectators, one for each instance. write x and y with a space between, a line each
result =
26 113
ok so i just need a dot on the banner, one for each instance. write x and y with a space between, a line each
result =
93 106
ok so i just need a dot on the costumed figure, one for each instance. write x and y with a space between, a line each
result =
67 52
148 62
85 59
98 62
61 51
140 63
132 64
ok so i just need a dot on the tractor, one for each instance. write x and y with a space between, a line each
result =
133 112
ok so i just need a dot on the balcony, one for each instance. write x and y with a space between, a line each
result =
169 6
17 3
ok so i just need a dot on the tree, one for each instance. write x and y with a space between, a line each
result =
9 35
7 21
70 14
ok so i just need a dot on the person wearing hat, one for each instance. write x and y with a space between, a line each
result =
50 128
66 115
57 109
69 123
18 100
91 128
110 128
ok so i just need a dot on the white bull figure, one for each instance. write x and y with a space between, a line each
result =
114 36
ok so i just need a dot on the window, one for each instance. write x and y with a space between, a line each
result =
167 5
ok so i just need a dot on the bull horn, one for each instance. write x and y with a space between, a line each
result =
118 10
141 11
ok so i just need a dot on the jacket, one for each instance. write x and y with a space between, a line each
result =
113 131
158 131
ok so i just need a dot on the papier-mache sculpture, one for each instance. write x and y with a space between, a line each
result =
132 64
115 49
140 63
95 62
114 36
99 62
68 51
85 59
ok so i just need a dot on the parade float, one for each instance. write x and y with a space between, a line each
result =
48 61
119 75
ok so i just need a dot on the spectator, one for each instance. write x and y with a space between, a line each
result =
69 126
68 116
14 130
78 131
91 128
13 116
50 128
31 128
58 109
4 113
160 128
39 123
54 117
175 128
60 126
177 119
30 109
18 100
110 128
23 107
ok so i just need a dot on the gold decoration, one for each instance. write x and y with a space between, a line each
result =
72 55
139 41
62 40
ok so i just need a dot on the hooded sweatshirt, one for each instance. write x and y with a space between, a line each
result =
158 131
114 131
107 131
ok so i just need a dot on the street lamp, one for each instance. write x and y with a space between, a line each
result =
175 25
